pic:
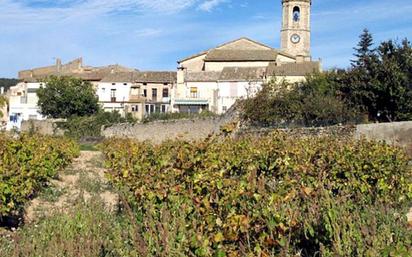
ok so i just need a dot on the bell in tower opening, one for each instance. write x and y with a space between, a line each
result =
296 29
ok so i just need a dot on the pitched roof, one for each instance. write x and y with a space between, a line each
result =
258 44
242 73
124 77
241 55
136 76
203 76
156 76
293 69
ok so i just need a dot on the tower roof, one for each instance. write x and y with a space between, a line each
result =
306 1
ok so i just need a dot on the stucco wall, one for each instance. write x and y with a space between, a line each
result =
398 133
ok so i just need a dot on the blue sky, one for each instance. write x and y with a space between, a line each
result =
154 34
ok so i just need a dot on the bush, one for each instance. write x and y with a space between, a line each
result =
90 126
27 163
177 116
271 196
312 103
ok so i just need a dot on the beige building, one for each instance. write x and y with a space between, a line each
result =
214 79
138 93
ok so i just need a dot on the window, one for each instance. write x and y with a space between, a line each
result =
165 84
296 14
165 92
124 84
154 93
113 95
113 84
164 109
193 92
135 108
145 92
144 84
224 108
134 91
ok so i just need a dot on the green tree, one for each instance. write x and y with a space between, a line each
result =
65 97
394 91
316 102
7 83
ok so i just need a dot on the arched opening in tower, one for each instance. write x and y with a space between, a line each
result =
296 14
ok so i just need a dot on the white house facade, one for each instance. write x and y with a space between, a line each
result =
23 104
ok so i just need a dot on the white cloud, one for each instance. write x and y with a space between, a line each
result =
208 5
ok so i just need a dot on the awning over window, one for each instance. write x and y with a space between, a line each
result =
191 102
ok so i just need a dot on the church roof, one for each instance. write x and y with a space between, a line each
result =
241 55
242 73
293 69
251 45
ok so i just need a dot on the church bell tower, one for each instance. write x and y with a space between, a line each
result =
295 33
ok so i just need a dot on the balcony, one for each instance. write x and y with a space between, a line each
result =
137 98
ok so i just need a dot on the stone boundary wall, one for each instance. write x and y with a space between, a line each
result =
398 133
341 131
43 127
160 131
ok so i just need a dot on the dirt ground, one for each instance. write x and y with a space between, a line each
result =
84 180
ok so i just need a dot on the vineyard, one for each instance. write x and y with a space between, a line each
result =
27 163
269 196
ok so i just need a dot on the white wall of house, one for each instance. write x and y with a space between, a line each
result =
195 92
23 104
231 91
113 96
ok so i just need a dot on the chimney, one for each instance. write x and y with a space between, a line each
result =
58 64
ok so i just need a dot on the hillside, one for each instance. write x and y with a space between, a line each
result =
7 83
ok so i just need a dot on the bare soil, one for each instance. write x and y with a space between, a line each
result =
82 181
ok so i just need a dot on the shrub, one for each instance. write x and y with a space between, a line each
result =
90 126
312 103
26 164
177 116
268 196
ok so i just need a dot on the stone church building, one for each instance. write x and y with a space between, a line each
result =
214 79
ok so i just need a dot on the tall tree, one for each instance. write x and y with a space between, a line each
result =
364 52
65 97
360 82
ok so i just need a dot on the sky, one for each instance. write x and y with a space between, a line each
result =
154 34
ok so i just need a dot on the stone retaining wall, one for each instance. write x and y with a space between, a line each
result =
160 131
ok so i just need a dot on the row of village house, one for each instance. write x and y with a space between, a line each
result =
211 80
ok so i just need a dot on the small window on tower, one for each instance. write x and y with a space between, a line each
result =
296 14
